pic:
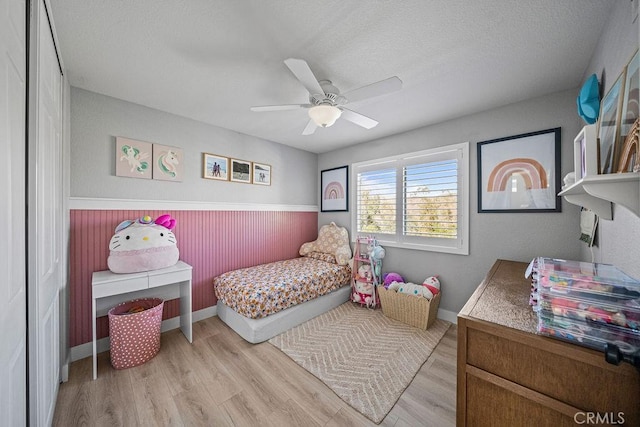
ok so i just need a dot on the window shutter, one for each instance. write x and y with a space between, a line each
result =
376 201
431 200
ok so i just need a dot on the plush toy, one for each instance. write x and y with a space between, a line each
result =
143 244
363 293
411 289
376 254
364 272
433 284
389 278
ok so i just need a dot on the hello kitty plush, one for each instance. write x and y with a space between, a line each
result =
364 272
363 293
143 244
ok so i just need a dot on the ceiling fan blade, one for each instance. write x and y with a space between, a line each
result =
280 107
310 128
374 89
358 118
301 70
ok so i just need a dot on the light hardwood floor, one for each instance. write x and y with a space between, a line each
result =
221 380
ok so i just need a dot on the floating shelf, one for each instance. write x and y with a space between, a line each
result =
599 191
577 195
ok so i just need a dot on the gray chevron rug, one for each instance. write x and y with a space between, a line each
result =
366 358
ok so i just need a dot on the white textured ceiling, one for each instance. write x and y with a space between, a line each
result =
211 60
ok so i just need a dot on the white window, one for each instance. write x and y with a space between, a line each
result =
416 200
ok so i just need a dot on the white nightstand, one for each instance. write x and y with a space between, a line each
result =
109 289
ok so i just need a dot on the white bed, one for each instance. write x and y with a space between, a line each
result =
264 328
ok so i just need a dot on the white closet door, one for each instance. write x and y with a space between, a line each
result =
13 305
45 192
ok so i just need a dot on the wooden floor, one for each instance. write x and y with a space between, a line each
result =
221 380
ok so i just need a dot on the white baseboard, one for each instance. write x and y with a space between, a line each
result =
450 316
85 350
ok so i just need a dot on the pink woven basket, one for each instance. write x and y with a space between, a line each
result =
135 337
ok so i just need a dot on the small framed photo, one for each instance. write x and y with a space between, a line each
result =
334 189
609 126
520 173
261 174
133 158
240 171
215 167
168 163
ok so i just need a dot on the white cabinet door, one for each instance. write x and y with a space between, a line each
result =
13 305
45 213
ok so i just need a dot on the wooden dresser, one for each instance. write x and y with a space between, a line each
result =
509 376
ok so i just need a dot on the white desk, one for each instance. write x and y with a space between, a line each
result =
110 289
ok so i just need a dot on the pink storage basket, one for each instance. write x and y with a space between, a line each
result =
135 337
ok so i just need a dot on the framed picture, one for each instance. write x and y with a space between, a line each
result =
168 163
261 174
334 190
631 100
520 173
628 154
240 171
215 167
133 158
609 126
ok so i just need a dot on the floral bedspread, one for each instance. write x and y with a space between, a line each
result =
265 289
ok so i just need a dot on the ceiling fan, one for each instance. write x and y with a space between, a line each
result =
325 101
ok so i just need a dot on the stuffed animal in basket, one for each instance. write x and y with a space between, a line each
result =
143 244
411 289
389 278
363 293
433 284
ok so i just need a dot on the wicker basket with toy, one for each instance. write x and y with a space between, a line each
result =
415 305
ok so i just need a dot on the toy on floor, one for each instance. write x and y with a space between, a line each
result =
143 245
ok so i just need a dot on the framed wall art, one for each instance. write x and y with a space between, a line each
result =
133 158
631 100
168 163
609 126
215 167
520 173
261 174
240 171
334 189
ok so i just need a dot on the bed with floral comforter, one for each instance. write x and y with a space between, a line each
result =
259 291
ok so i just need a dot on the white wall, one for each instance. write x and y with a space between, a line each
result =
515 236
96 120
619 239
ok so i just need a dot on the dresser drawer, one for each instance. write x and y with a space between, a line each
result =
167 278
499 403
578 377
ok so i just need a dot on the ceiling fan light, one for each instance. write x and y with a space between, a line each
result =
324 115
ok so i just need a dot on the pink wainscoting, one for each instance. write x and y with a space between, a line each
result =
211 241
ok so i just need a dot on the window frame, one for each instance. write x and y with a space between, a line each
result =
460 245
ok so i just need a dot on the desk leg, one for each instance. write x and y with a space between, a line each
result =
186 320
95 356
